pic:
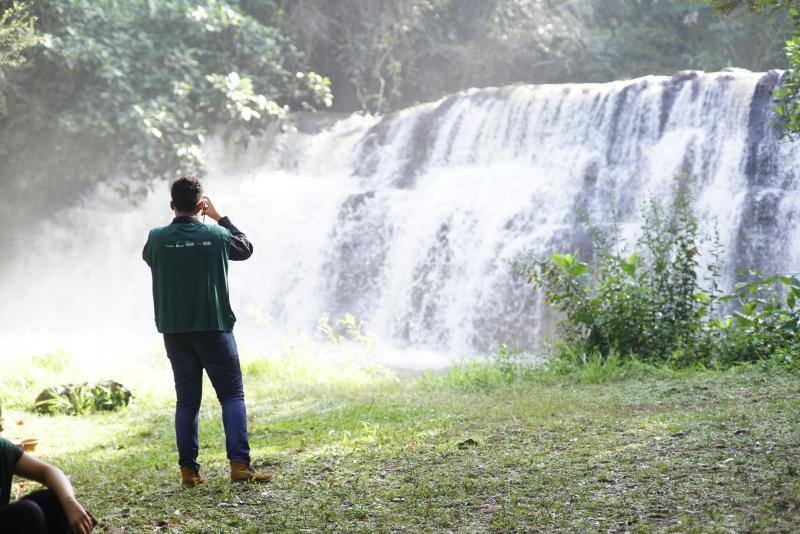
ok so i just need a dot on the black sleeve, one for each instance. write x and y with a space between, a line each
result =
146 253
16 454
241 247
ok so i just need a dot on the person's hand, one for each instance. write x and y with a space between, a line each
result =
78 519
210 210
30 467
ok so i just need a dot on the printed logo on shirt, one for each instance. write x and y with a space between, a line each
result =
188 244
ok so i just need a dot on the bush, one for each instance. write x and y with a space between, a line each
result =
640 304
80 399
657 306
765 320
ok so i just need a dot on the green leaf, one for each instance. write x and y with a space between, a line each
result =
721 325
769 281
702 298
579 268
629 267
564 261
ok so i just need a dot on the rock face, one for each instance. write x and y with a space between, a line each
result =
81 398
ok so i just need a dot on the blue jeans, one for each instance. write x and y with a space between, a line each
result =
215 352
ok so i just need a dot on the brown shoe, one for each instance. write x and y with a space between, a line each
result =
190 477
242 472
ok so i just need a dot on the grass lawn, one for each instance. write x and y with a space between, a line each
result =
701 452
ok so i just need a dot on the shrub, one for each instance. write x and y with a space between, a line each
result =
657 306
764 322
640 304
80 399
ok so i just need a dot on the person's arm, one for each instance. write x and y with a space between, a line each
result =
146 253
32 468
241 247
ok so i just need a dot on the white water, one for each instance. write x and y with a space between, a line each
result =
407 220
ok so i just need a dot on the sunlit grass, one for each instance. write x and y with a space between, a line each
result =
334 365
485 446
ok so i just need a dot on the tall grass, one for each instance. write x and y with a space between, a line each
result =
336 366
506 368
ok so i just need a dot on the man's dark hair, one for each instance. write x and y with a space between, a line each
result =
186 193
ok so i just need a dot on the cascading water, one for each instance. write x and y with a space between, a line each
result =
408 220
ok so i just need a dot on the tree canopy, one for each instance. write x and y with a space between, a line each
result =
17 34
788 94
386 54
92 89
118 87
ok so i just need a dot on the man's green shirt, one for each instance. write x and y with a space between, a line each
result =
189 264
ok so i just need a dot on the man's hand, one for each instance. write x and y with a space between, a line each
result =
210 210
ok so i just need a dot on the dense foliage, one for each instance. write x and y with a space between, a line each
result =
16 35
658 303
788 94
134 88
105 88
386 54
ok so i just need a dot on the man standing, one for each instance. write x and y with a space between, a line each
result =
189 263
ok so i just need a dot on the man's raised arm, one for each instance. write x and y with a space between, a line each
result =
241 247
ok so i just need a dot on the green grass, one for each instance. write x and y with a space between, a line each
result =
484 448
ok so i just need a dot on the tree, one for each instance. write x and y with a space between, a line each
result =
383 55
787 95
133 88
17 34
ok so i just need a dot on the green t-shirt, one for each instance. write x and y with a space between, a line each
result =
9 455
189 262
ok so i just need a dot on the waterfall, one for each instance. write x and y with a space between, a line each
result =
409 220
